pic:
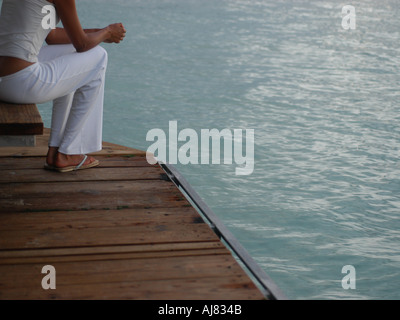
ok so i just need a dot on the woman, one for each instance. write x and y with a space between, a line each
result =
70 70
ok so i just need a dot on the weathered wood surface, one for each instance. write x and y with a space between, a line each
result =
20 119
118 231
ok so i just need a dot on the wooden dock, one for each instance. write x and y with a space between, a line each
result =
122 230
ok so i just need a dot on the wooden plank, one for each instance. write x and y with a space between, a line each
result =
104 250
110 149
126 270
18 197
17 190
61 229
143 200
95 253
139 275
41 151
95 218
124 161
95 258
20 119
109 161
69 229
213 288
152 233
100 174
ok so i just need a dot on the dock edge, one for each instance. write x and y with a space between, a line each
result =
266 285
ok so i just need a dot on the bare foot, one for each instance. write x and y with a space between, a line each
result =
64 160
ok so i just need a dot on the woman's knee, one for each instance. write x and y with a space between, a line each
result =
101 55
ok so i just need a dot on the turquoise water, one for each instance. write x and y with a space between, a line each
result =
324 106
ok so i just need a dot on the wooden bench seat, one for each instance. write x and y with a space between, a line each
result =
19 124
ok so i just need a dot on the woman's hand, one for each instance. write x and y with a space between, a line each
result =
116 33
83 41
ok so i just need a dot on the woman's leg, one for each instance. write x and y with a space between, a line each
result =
61 106
83 129
78 116
61 109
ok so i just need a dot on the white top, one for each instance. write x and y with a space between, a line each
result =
21 31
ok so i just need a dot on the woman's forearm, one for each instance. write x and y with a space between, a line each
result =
60 36
92 38
91 30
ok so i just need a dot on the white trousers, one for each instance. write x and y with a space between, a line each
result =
75 83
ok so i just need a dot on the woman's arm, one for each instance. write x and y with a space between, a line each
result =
60 36
75 34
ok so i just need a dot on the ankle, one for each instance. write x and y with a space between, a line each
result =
51 155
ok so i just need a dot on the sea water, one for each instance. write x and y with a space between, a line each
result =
323 102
